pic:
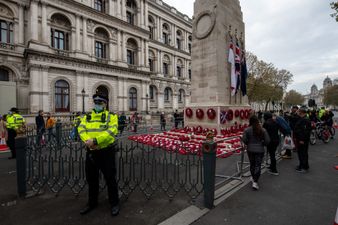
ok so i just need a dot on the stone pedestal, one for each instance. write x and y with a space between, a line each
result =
216 23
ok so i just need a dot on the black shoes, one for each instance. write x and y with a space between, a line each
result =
87 209
300 170
115 210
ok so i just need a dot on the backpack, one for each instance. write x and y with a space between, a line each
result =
284 127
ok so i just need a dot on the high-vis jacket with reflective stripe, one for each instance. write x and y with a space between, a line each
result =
14 121
103 128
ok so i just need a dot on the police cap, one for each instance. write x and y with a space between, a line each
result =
100 98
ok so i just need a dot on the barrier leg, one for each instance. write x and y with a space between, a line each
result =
209 170
20 145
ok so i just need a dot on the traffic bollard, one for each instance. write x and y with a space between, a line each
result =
209 170
20 146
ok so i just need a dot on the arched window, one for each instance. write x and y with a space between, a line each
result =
167 95
60 32
101 43
4 74
99 5
181 96
151 27
189 43
151 61
62 96
189 71
131 11
165 34
103 90
179 38
132 99
179 69
131 52
166 63
6 32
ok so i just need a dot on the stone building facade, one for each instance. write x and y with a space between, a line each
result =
58 53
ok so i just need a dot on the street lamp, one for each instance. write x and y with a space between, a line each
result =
83 92
147 103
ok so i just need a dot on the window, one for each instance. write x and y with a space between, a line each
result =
62 96
189 71
60 32
178 43
99 5
165 34
6 32
189 47
4 75
151 33
181 96
178 71
130 18
133 99
165 69
167 95
131 51
130 57
151 93
151 27
100 50
151 65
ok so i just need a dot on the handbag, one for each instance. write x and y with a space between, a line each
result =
288 143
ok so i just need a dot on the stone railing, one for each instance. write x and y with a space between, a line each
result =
7 46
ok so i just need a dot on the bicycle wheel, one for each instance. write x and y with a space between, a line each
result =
326 136
313 137
332 131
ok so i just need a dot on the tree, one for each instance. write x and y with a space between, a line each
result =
331 96
293 98
265 82
334 6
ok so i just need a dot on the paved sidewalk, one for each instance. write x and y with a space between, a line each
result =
291 198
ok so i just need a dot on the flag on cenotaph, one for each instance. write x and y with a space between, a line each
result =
233 77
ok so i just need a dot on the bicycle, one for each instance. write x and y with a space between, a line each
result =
319 131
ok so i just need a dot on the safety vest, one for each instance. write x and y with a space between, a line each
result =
14 121
100 126
321 113
77 121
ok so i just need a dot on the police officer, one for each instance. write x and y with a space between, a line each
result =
98 130
76 123
14 122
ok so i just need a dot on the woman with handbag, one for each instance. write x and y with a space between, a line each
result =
255 137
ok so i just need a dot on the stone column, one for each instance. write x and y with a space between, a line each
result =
44 27
124 10
159 62
33 22
139 17
159 26
21 33
110 7
72 46
160 100
146 14
124 49
141 62
119 50
118 9
173 66
175 100
78 35
146 52
45 88
173 36
35 84
84 35
111 50
142 14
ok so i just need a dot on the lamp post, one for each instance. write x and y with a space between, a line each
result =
83 92
147 103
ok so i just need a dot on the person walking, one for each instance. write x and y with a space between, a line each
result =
302 131
135 121
3 131
255 137
98 130
122 122
162 121
293 118
272 127
50 123
14 125
176 119
40 127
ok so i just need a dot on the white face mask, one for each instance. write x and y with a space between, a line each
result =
98 107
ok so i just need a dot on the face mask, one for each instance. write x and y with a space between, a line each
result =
10 113
98 108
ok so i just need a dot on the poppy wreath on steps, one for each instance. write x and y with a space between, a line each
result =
230 115
247 114
199 114
211 113
188 112
198 130
242 114
236 113
214 131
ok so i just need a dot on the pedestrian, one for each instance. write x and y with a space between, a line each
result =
40 127
162 121
76 123
293 118
136 121
272 127
50 123
176 119
122 122
98 130
260 115
255 137
3 131
15 125
302 131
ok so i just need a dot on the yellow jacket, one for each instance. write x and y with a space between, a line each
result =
103 127
14 121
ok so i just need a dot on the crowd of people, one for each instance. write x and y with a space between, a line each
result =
265 130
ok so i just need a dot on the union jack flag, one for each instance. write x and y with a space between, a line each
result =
223 116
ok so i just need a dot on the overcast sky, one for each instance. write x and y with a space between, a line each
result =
296 35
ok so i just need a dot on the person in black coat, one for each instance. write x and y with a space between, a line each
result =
40 126
293 118
122 122
272 127
302 131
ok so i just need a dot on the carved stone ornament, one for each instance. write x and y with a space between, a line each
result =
5 11
204 24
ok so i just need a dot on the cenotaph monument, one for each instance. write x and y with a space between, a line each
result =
218 86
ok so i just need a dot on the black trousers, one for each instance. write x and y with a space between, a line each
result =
255 164
11 141
272 147
101 160
163 126
303 156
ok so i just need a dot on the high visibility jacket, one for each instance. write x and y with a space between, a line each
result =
321 113
100 126
14 121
